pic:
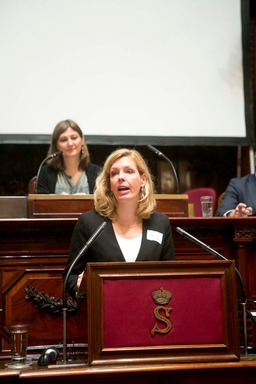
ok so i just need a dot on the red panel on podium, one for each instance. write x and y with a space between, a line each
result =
130 318
162 312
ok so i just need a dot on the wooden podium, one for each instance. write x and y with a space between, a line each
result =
58 206
162 312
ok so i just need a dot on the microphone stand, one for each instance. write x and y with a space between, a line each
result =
160 154
64 293
243 295
43 162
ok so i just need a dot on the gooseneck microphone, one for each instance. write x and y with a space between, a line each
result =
43 162
160 154
243 295
87 245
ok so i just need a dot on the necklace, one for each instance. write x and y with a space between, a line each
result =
129 226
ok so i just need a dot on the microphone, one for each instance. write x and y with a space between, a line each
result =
160 154
243 295
88 244
43 162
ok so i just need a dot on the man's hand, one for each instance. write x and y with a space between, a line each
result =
241 211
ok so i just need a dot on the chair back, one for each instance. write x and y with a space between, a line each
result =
32 185
194 198
220 198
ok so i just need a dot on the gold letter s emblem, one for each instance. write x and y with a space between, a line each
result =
163 319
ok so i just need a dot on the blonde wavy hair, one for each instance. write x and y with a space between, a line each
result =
105 201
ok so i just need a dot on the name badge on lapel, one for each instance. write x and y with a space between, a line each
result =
154 236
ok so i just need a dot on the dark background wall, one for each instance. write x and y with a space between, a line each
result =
196 166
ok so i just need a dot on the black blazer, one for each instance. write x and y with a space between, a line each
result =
48 178
106 247
239 190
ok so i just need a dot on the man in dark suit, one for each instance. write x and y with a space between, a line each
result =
240 198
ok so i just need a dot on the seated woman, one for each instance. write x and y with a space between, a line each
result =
71 172
124 199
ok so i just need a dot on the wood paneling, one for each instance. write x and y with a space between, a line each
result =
33 252
211 373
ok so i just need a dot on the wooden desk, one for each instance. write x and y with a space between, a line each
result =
201 373
40 206
13 206
33 253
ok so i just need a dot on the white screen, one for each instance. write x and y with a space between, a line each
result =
165 68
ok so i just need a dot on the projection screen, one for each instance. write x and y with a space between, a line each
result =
166 72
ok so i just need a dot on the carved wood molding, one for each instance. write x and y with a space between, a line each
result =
246 233
44 302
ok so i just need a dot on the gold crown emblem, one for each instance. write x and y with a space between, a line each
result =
161 296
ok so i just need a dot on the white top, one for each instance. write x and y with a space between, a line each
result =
129 247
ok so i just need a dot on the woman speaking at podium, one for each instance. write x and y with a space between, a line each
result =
124 198
69 171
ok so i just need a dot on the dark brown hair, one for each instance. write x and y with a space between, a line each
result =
57 162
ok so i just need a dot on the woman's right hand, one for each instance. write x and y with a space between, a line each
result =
79 280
